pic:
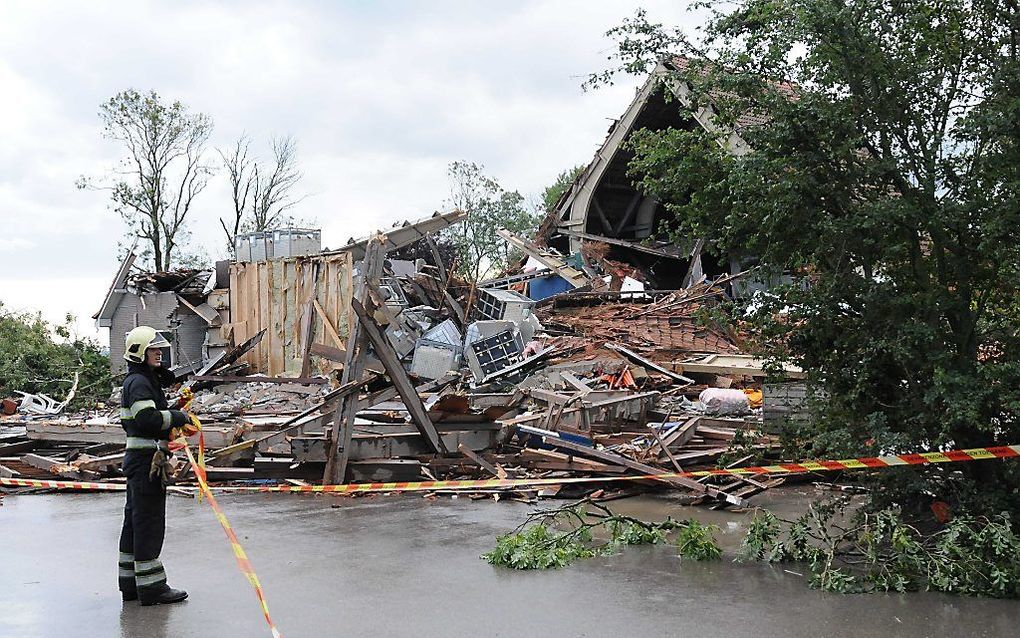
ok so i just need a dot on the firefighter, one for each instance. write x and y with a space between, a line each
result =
149 425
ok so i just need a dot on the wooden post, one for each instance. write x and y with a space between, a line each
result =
308 325
306 339
434 248
354 367
391 362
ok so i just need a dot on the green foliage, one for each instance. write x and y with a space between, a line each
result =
539 548
480 251
626 532
554 191
536 543
36 357
977 557
880 552
884 176
761 537
696 541
154 186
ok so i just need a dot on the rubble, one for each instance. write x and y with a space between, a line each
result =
416 374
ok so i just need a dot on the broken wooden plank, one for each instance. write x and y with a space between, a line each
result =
405 443
100 463
229 473
557 264
576 383
336 355
751 488
638 359
551 460
699 456
617 459
399 236
736 365
69 432
231 355
10 449
50 465
720 434
74 432
665 448
477 460
354 367
306 339
622 243
328 325
224 378
681 435
204 310
437 257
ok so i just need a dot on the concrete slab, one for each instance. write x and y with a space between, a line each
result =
402 566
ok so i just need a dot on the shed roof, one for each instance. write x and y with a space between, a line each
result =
116 292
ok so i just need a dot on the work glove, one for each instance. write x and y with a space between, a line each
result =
158 469
192 427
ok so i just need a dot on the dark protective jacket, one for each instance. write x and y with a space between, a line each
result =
145 415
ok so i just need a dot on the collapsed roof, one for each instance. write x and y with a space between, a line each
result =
603 202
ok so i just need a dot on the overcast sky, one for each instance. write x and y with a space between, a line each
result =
380 96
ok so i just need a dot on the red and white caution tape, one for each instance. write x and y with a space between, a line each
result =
862 463
63 485
871 462
242 558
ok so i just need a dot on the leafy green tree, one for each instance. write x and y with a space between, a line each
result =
489 206
155 185
552 193
884 173
37 357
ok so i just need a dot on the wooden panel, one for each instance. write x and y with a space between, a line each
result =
265 315
215 436
272 296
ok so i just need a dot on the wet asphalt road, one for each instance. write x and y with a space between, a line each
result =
404 566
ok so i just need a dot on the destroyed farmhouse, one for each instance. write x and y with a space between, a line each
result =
347 365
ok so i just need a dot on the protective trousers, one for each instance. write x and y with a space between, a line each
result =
141 538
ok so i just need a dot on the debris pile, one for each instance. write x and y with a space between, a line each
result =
560 369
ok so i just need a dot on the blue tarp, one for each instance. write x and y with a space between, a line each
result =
539 289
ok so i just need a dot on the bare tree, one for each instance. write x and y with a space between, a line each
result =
155 186
261 195
238 165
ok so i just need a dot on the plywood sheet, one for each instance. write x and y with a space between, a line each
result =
273 296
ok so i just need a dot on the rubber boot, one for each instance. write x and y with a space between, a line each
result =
161 596
129 595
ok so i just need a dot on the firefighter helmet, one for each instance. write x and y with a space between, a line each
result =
141 339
